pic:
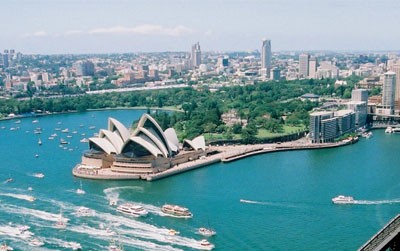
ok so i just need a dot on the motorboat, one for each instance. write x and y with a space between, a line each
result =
36 242
66 130
113 201
206 231
8 180
176 211
35 121
114 247
63 142
39 142
341 199
84 211
132 209
30 189
61 222
30 198
366 135
84 140
173 232
73 245
5 247
389 129
38 175
206 245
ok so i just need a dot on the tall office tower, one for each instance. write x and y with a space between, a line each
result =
266 56
303 65
312 67
196 55
360 95
388 92
396 69
5 59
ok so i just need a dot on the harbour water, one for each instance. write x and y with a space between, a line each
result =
275 201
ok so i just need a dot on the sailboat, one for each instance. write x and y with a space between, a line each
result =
39 142
80 190
60 223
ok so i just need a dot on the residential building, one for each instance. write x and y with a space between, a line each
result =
388 94
303 65
312 67
196 55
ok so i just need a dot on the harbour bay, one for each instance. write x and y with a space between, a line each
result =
274 201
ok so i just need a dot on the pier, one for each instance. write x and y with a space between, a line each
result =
217 154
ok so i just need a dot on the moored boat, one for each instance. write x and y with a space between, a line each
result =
176 211
341 199
132 209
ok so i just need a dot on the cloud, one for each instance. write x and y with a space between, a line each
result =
36 34
145 29
73 32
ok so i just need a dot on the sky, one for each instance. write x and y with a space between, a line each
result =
117 26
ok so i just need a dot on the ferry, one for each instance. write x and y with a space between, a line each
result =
176 211
36 242
206 231
132 209
206 245
341 199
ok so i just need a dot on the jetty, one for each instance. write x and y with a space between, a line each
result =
215 154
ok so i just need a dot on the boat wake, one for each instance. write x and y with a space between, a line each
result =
18 196
376 202
273 204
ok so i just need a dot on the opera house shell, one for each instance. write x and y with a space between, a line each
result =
146 149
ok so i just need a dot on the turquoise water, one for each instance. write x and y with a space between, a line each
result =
287 195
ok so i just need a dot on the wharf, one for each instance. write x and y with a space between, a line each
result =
224 154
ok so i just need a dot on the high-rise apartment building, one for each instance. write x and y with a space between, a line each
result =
266 56
84 68
396 69
196 55
303 65
388 93
359 95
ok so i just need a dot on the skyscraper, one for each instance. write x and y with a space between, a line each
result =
196 55
312 67
303 65
396 69
266 56
388 92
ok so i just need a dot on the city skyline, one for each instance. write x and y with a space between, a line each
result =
78 26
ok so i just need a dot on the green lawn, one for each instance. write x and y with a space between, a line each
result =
263 133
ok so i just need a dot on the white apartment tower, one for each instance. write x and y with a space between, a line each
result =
303 65
196 55
396 69
266 56
388 92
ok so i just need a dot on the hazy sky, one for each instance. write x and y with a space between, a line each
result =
86 26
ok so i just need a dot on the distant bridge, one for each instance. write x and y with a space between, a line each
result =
387 239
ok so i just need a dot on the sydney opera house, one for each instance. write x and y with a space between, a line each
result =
144 150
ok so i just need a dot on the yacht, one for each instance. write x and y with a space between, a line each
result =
341 199
207 231
206 245
132 209
38 175
389 129
36 242
176 211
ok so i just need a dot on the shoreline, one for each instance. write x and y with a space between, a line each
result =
225 154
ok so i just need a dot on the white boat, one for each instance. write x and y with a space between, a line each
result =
36 242
63 142
396 130
18 122
35 121
73 245
176 211
66 130
92 127
39 142
206 245
173 232
54 135
132 209
341 199
114 247
38 175
51 138
5 247
389 129
206 231
84 140
84 211
30 198
80 190
75 132
30 189
367 135
113 201
61 222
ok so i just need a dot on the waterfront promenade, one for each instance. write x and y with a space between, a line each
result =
221 154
